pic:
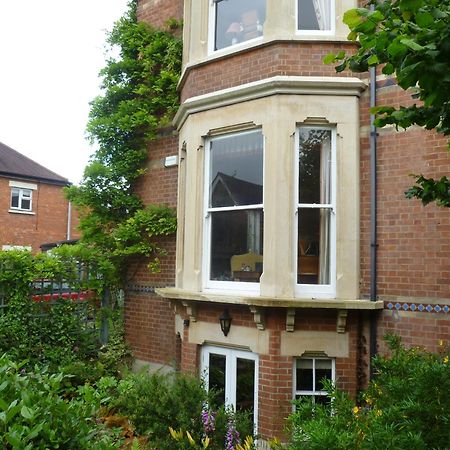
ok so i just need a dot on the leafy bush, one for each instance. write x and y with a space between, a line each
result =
406 406
153 402
35 415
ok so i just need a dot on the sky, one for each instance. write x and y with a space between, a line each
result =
51 52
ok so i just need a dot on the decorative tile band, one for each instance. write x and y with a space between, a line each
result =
141 288
416 307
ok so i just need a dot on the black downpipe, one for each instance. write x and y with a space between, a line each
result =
373 216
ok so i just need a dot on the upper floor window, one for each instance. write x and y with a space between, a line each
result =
236 21
315 15
21 199
316 210
234 205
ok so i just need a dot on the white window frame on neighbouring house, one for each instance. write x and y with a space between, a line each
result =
23 192
325 11
319 290
237 28
231 380
252 288
314 392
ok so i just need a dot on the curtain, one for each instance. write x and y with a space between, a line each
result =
323 13
325 198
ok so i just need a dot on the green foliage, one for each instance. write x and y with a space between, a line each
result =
412 41
35 415
406 406
61 332
139 97
155 402
430 190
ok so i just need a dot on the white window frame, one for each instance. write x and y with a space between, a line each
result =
306 33
296 392
317 290
22 196
231 356
250 288
212 33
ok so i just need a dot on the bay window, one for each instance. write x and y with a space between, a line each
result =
234 206
316 210
236 21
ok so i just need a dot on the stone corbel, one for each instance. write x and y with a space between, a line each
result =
191 310
258 317
341 322
290 319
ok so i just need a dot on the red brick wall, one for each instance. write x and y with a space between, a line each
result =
413 241
277 58
417 329
47 224
275 370
157 12
150 325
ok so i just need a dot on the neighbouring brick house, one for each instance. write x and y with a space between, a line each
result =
310 284
33 208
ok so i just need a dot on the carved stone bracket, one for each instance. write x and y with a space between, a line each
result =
290 319
191 310
341 322
258 317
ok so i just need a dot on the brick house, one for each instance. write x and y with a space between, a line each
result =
33 209
295 260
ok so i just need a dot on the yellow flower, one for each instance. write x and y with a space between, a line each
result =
378 412
356 410
446 360
190 439
369 400
177 435
248 444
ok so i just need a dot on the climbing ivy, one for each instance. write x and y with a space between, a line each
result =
139 97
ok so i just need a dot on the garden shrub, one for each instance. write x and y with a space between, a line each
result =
406 406
35 415
155 402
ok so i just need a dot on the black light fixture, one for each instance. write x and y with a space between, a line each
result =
225 322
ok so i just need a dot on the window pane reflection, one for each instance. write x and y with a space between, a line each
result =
236 172
238 21
217 367
245 386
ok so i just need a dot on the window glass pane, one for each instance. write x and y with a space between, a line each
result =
314 166
26 203
236 172
304 375
217 367
313 265
238 21
245 385
314 15
14 198
237 245
323 370
322 399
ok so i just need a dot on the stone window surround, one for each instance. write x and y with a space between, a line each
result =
277 105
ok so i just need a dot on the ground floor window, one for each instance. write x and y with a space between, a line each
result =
234 375
309 377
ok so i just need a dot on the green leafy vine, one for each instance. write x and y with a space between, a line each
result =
139 97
